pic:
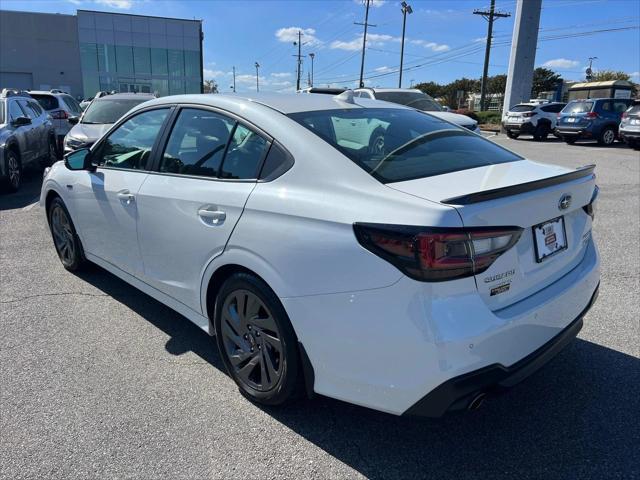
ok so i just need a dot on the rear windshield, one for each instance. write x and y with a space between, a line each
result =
109 110
578 107
418 100
635 109
394 145
522 108
48 102
72 103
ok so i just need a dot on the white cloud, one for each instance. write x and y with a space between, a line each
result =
634 74
281 74
290 34
561 63
373 3
355 44
383 69
123 4
480 39
373 40
433 46
245 78
209 73
75 2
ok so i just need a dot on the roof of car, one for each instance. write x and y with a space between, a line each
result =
537 104
126 96
282 102
384 90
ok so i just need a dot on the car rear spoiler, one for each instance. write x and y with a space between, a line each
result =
521 187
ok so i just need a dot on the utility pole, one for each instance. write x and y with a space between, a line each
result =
490 16
300 56
589 71
257 65
364 39
311 56
234 79
405 9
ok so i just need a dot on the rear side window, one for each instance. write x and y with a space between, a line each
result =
72 104
278 161
197 143
522 108
619 106
48 102
398 145
578 107
244 154
553 108
36 107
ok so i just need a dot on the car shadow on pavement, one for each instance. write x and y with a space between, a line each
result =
575 418
29 192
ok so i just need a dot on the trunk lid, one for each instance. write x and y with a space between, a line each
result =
517 273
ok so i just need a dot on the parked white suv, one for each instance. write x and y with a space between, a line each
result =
61 107
532 118
414 98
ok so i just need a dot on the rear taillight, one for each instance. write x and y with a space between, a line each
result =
591 115
590 208
624 115
59 115
437 254
529 114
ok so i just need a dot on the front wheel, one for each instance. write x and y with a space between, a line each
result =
13 170
65 237
541 132
570 140
513 135
607 137
256 341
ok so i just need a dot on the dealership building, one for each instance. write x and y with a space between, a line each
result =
92 51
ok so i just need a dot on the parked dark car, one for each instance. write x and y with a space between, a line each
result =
592 119
27 137
630 126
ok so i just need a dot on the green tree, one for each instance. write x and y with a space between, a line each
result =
451 91
497 84
605 75
210 86
544 80
430 88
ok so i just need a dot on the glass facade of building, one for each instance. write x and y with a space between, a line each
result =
130 53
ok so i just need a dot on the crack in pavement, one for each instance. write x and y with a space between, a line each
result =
29 297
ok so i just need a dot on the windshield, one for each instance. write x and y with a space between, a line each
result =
109 110
418 100
578 107
395 145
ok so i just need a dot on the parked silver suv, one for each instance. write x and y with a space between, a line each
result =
629 129
533 118
60 106
27 137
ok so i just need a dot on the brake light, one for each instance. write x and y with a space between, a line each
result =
624 115
59 115
437 254
591 115
590 208
529 114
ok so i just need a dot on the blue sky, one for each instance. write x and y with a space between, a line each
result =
444 40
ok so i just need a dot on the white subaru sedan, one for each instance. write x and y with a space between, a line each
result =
413 278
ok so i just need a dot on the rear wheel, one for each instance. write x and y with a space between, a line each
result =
256 341
52 154
65 237
570 140
511 134
13 171
541 132
607 137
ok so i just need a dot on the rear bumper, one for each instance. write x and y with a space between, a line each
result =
523 128
459 392
574 132
629 134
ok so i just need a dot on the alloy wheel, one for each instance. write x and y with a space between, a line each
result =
14 171
53 154
608 137
252 340
63 235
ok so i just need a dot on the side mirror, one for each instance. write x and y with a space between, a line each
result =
73 120
79 160
21 121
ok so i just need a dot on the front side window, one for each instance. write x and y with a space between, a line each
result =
244 154
394 145
15 111
28 110
197 143
129 146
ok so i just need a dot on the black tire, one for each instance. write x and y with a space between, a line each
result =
65 238
607 136
244 350
513 135
52 154
376 142
570 140
13 171
541 132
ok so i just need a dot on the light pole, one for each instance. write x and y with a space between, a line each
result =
589 72
234 80
312 56
257 65
406 8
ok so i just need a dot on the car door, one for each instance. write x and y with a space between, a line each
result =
190 205
105 203
28 152
36 134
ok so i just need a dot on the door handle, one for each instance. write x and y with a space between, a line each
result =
126 196
212 217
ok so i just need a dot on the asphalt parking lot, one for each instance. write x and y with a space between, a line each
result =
99 380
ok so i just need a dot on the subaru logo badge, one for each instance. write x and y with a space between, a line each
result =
565 202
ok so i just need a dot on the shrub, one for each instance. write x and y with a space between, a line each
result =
489 117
